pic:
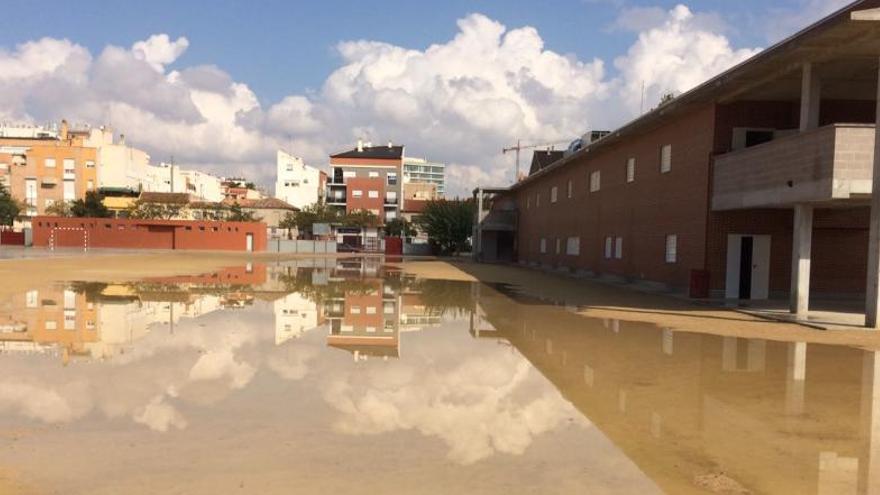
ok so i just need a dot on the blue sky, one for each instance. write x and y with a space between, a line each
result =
222 85
280 47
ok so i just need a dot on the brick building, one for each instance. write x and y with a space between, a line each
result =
367 178
719 181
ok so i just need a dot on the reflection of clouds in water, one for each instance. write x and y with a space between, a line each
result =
292 363
158 415
214 365
36 402
477 408
136 384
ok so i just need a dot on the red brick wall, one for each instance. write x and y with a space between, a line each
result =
645 211
147 234
642 212
365 185
839 247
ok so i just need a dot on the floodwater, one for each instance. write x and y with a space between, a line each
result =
339 376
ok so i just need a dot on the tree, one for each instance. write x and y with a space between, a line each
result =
146 210
448 224
399 227
59 209
237 214
92 206
315 213
9 207
360 218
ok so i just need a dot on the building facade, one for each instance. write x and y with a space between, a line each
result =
421 171
43 168
296 183
755 183
367 178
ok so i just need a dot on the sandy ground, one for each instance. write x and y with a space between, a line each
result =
601 300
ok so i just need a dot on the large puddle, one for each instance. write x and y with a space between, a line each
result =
345 376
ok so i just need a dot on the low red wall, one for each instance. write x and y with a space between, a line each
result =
147 234
11 238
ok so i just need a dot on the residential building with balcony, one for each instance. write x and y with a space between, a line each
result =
367 178
759 179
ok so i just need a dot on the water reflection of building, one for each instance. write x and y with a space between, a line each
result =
695 411
98 320
364 320
295 314
58 317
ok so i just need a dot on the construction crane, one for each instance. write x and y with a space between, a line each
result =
519 147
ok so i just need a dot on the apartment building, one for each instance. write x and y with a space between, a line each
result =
120 166
296 183
41 167
421 171
367 178
755 183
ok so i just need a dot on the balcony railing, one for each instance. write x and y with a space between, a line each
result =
832 163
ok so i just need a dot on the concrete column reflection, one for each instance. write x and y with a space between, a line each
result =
795 377
869 464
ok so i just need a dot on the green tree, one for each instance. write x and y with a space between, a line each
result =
237 214
92 206
399 227
315 213
59 209
9 207
360 218
146 210
448 223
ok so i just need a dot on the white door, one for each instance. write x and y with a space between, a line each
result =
748 267
249 246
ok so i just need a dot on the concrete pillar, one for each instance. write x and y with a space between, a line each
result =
811 96
872 294
801 242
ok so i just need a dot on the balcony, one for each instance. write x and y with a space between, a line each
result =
498 220
832 164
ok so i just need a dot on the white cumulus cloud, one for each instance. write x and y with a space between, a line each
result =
458 101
